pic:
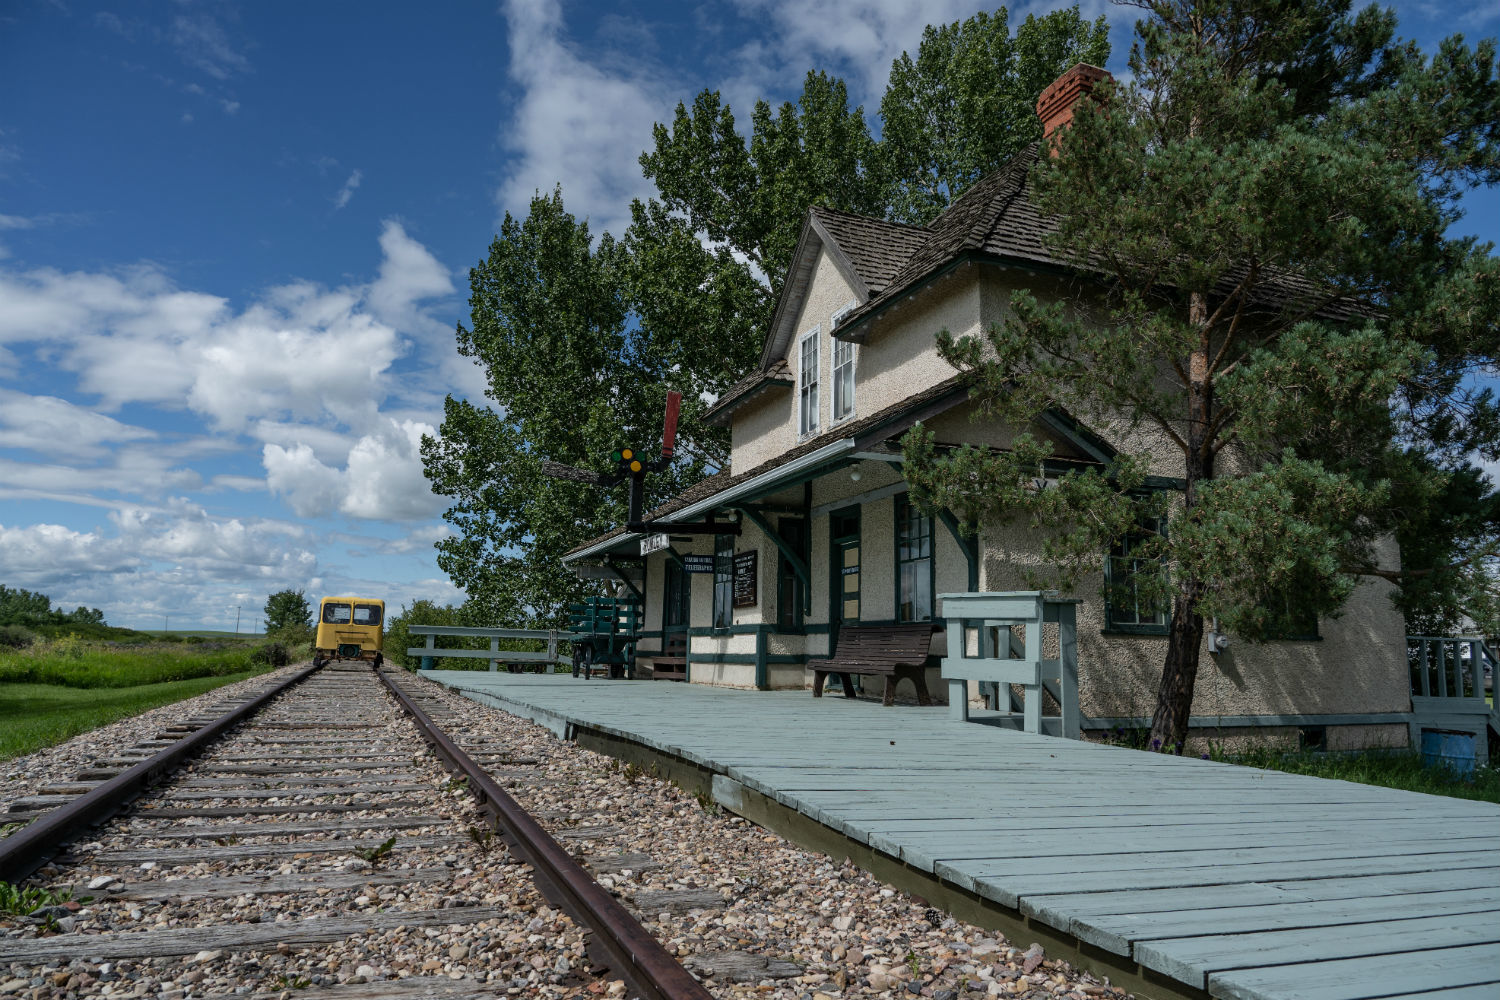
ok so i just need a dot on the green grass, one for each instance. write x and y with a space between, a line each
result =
33 716
74 663
1376 767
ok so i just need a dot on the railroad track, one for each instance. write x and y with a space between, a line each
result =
326 831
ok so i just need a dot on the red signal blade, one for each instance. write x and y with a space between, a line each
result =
669 431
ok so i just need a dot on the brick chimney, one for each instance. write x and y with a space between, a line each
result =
1055 106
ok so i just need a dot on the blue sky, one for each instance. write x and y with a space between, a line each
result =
234 240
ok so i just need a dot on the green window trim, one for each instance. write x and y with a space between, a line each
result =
1134 621
789 586
676 584
723 607
915 565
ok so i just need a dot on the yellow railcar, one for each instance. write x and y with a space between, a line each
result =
350 628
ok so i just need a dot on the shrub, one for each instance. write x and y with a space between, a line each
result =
16 636
273 653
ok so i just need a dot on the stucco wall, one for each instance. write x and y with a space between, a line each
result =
900 355
765 428
1359 665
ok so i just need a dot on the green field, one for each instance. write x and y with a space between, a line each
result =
55 690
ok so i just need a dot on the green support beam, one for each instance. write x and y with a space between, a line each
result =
799 565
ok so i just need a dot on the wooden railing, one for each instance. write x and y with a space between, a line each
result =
1448 666
496 655
984 646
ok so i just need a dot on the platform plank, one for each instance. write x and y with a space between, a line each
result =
1258 884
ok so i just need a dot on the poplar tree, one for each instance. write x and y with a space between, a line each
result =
1262 210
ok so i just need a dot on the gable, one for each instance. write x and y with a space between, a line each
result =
865 252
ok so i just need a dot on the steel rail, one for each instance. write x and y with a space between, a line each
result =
631 950
26 850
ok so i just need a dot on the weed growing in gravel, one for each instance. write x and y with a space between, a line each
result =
483 837
20 901
707 804
375 855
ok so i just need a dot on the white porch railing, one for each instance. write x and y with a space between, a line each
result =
982 647
494 654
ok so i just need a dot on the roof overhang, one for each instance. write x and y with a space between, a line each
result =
718 414
798 470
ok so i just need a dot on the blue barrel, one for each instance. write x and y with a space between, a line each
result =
427 662
1449 749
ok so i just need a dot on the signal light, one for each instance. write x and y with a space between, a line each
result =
627 454
616 456
635 466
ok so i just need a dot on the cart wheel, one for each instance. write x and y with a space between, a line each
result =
583 660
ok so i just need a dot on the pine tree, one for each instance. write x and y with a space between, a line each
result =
1262 209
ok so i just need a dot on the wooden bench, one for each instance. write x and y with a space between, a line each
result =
892 651
671 663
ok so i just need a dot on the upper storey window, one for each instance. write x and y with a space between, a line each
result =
843 369
843 379
807 383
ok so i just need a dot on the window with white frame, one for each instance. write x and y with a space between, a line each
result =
843 379
807 383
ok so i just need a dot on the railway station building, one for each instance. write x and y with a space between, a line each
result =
823 535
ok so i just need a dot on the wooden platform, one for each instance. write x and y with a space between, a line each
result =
1243 883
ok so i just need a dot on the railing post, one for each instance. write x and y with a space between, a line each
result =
1442 664
958 690
1067 684
495 649
431 644
1033 716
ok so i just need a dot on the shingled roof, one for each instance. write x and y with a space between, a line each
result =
779 374
876 249
994 217
997 219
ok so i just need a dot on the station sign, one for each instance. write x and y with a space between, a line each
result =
655 543
698 564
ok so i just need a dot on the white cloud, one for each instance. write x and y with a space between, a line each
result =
179 561
347 191
202 43
870 35
580 121
409 274
381 479
53 426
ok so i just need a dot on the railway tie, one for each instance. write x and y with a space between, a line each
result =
313 818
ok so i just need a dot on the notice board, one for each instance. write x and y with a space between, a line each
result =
746 579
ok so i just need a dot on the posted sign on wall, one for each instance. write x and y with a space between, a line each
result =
698 564
746 579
